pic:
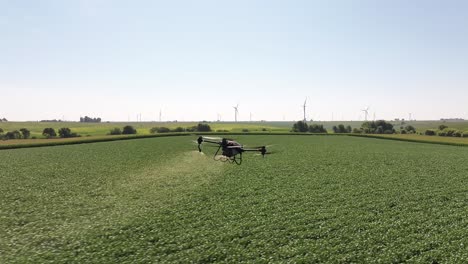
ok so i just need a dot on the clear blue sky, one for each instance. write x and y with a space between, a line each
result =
196 59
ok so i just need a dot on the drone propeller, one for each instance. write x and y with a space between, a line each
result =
194 142
266 153
212 138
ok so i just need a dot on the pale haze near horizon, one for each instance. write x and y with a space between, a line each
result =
194 60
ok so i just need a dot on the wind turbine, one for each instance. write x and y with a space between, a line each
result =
236 111
366 112
304 107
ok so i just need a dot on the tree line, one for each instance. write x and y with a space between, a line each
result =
88 119
49 132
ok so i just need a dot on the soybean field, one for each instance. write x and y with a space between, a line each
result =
327 199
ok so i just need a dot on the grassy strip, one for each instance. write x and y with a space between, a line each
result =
129 137
52 142
86 141
411 140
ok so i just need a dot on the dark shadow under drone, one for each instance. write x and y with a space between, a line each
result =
231 151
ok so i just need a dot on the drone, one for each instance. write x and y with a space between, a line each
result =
231 151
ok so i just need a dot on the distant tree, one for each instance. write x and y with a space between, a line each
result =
403 131
442 127
410 129
379 130
449 132
201 127
1 131
342 129
88 119
25 133
12 135
159 130
115 131
49 132
442 134
429 132
377 127
128 130
51 121
245 130
300 126
458 133
357 130
179 129
314 128
65 132
3 120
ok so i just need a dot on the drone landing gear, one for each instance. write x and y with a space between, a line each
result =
233 159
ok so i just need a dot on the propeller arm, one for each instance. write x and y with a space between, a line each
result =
201 139
262 150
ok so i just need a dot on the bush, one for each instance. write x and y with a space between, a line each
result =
12 135
442 134
449 132
377 127
129 130
379 130
403 131
155 130
430 132
222 130
179 129
300 126
357 130
25 133
458 133
203 127
264 129
245 130
1 131
317 129
465 134
65 132
342 129
49 132
115 131
410 129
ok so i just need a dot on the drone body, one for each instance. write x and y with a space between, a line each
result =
230 150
